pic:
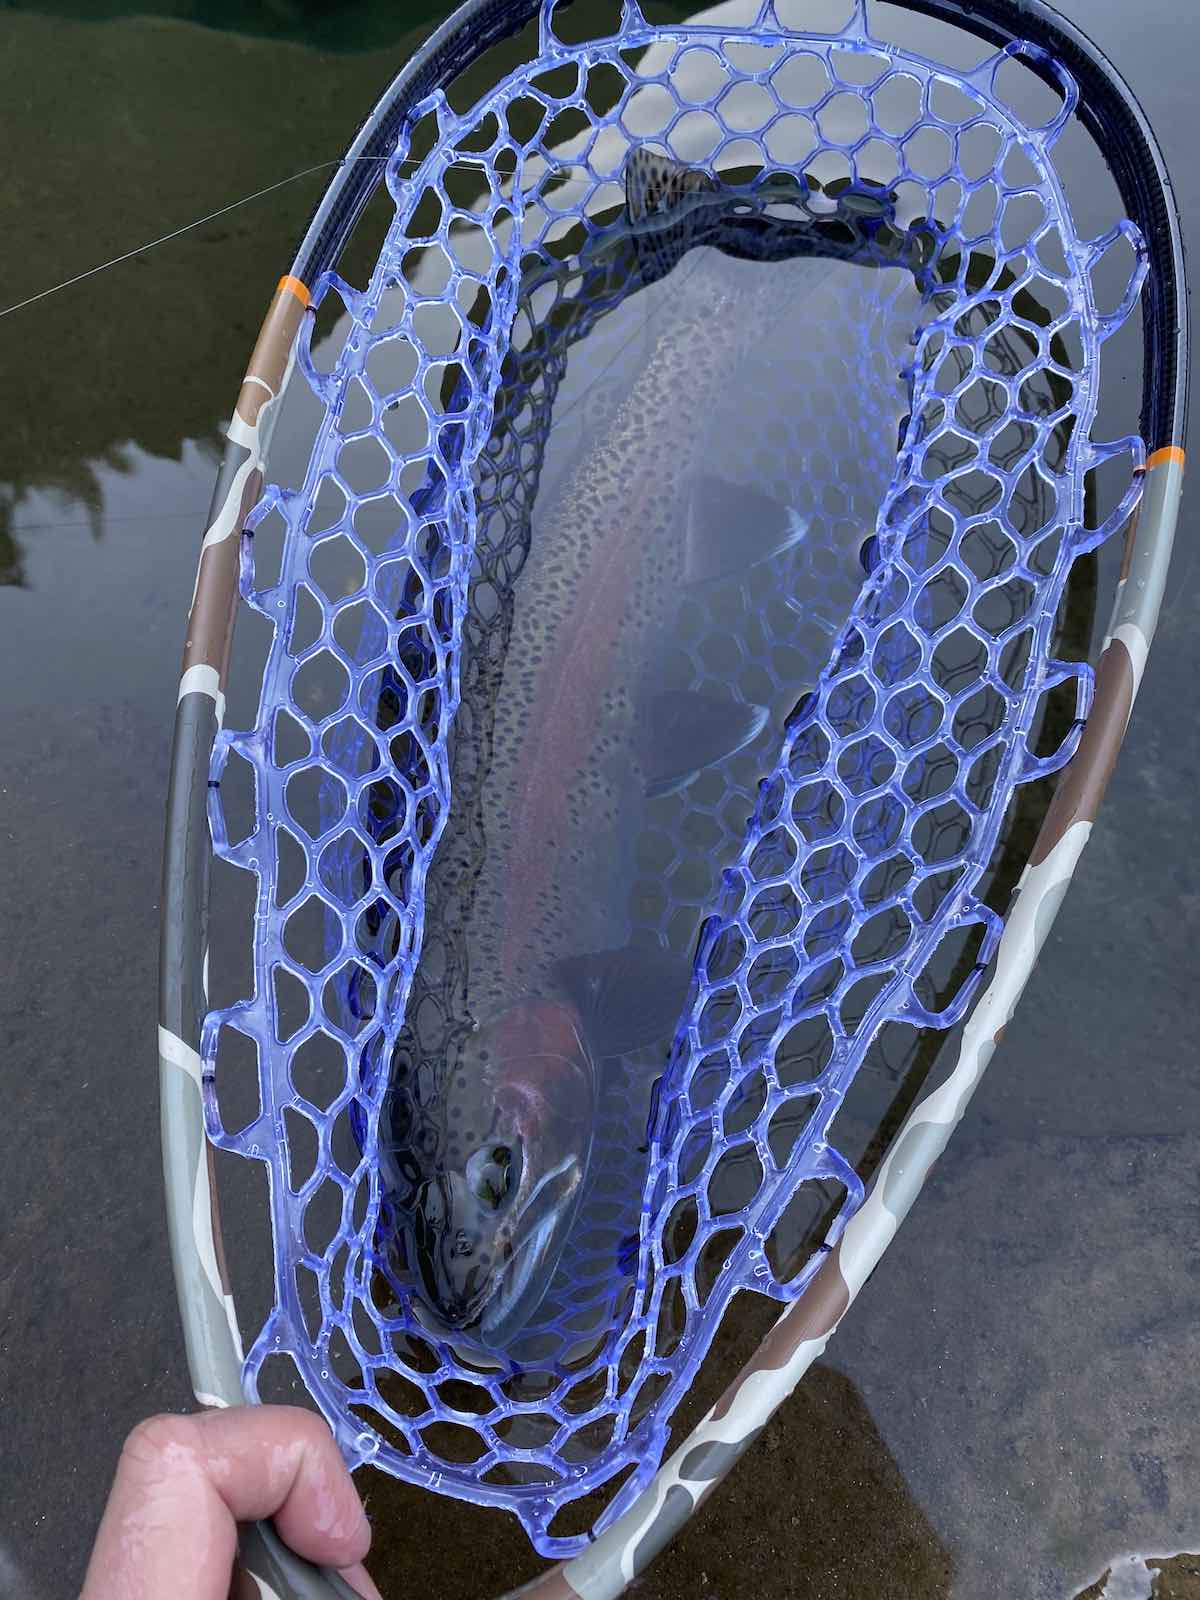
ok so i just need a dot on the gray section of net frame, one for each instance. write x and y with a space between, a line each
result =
1115 120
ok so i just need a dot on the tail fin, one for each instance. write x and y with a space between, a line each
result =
656 185
662 199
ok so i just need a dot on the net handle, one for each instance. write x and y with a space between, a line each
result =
1116 121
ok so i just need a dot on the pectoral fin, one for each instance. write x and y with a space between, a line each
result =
686 731
626 998
731 527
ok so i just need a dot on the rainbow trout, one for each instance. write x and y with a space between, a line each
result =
574 728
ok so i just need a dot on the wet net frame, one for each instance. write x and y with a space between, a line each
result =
826 740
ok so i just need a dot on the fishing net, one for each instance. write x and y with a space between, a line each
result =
937 426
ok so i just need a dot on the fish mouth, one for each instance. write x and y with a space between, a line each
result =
442 1313
520 1286
497 1308
500 1309
451 1298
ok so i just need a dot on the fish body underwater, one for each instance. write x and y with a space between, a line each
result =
573 724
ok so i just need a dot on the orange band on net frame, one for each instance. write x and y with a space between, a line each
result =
289 285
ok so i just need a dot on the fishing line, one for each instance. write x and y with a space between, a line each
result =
258 194
165 238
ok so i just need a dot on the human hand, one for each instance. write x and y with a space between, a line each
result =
184 1483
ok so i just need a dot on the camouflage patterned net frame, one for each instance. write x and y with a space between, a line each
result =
867 840
865 845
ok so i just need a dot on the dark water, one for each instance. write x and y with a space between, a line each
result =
1012 1404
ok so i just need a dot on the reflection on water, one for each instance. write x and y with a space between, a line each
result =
150 352
11 569
351 27
1147 1578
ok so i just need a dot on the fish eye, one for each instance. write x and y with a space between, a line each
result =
492 1174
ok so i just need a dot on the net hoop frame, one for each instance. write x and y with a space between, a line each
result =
1116 122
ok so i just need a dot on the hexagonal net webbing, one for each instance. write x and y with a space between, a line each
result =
931 429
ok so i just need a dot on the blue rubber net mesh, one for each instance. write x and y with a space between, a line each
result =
907 642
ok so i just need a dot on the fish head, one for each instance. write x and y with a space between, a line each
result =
490 1224
459 1229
